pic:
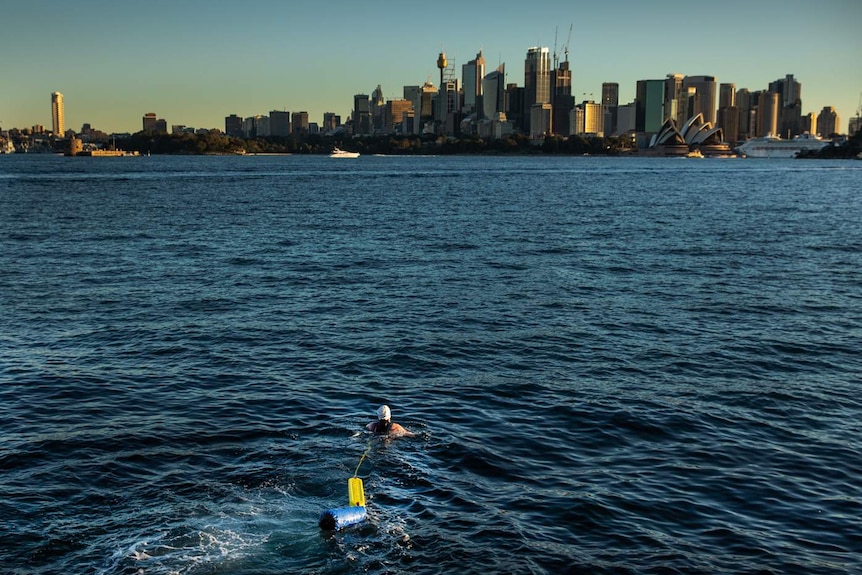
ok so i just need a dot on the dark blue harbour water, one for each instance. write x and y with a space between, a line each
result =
612 365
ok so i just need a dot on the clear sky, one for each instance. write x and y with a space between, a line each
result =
193 62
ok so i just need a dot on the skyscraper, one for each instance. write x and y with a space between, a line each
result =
57 114
494 93
828 122
767 114
649 100
361 115
610 104
705 101
728 113
537 82
279 123
790 105
675 100
561 98
471 76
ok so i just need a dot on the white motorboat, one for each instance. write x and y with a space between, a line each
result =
339 153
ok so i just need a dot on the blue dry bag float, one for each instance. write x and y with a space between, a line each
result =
335 519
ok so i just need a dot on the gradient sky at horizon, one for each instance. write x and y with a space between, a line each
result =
193 62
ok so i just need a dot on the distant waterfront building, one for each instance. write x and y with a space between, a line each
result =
394 113
414 95
361 115
279 123
790 105
152 123
650 100
588 119
256 126
610 104
728 113
561 98
676 104
472 74
746 106
299 122
828 122
809 123
767 114
58 114
627 118
331 121
854 125
494 93
537 86
705 87
233 126
377 108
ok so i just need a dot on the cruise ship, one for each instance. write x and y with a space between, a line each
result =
773 147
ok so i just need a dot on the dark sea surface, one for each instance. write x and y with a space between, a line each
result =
613 366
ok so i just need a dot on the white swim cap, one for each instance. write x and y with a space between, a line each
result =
384 413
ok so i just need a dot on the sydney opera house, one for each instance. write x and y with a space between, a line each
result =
694 136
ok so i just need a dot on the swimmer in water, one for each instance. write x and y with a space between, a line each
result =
384 424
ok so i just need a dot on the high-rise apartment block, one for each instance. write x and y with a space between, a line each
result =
58 114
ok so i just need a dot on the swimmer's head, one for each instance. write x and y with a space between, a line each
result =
383 413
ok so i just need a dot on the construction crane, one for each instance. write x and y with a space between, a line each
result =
569 39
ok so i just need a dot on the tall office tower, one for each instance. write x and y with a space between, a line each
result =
828 122
746 104
561 98
233 126
377 108
331 121
494 93
471 77
279 123
361 115
767 114
58 114
790 102
728 113
515 96
675 100
789 90
150 122
649 101
610 104
414 95
299 122
705 103
426 110
537 82
809 123
726 95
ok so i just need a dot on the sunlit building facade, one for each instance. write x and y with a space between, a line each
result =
58 114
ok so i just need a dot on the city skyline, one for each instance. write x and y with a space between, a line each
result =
197 62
